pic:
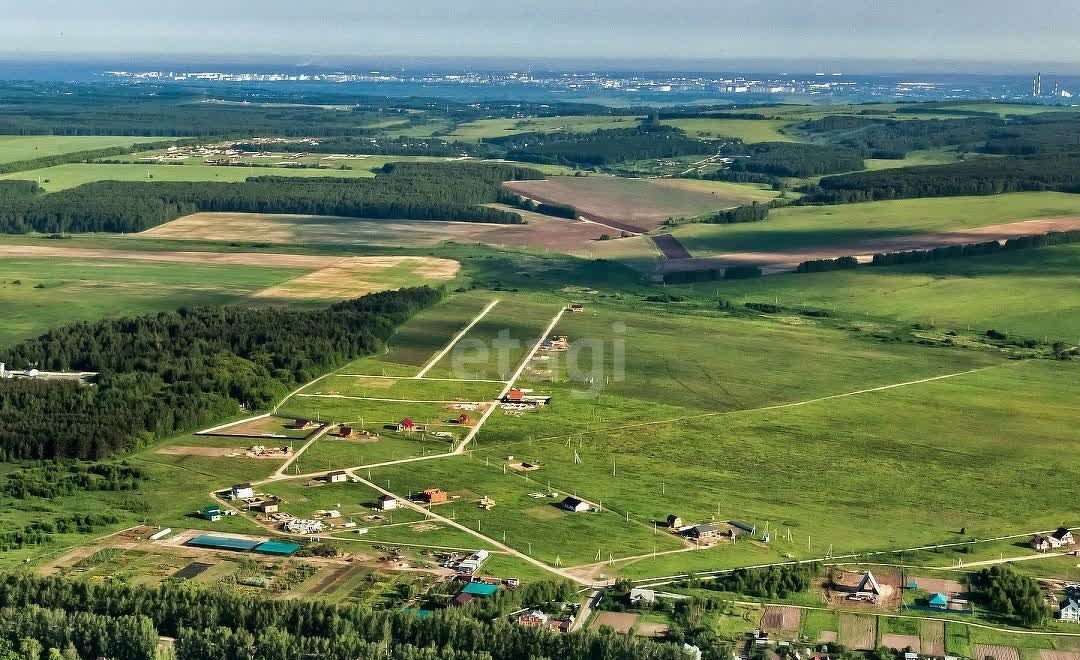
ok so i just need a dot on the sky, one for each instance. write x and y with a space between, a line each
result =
909 31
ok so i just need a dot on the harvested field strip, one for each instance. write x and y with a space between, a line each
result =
781 618
932 638
671 247
901 642
860 632
192 570
996 652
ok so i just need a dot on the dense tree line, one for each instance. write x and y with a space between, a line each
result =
822 265
755 212
1010 594
771 582
603 147
976 176
412 191
711 274
220 625
60 478
386 146
555 210
168 372
47 634
791 159
1044 133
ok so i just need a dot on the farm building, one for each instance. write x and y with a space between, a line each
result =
472 563
406 426
337 477
704 532
222 543
939 601
242 491
282 548
638 596
386 503
868 585
674 522
533 619
480 589
434 496
1070 611
211 512
574 504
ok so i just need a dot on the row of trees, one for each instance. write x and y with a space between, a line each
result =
81 156
555 210
755 212
60 478
711 274
822 265
771 582
976 176
163 373
414 191
213 624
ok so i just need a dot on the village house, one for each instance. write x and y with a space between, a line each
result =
301 425
704 532
674 522
302 526
577 307
642 596
533 619
406 426
269 506
337 477
1070 611
242 491
433 496
386 503
345 431
939 601
574 504
1063 536
211 512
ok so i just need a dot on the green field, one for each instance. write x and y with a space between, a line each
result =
54 292
27 147
60 177
807 226
1030 293
491 128
747 130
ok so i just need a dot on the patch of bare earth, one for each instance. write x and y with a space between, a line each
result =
177 450
622 622
983 651
1046 654
901 642
864 251
346 278
778 617
651 630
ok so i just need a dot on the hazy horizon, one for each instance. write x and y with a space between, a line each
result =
904 36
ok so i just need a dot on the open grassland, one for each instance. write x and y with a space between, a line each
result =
404 388
636 204
942 156
71 175
492 128
42 293
43 286
1030 293
573 538
27 147
747 130
819 226
331 452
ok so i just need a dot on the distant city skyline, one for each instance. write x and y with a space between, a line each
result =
902 35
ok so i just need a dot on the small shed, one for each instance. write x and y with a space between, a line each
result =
211 512
406 426
386 503
345 431
939 601
463 418
574 504
337 477
269 506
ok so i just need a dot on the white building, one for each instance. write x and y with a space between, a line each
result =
387 503
242 491
1070 611
303 526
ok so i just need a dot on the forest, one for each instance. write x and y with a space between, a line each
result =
791 159
603 147
168 372
212 624
975 176
1011 595
771 582
408 191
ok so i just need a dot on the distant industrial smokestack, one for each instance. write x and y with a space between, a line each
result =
1036 86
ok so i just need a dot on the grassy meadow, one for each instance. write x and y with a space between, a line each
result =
747 130
491 128
27 147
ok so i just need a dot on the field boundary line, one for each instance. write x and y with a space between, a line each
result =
444 380
372 398
458 337
296 454
460 449
781 406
